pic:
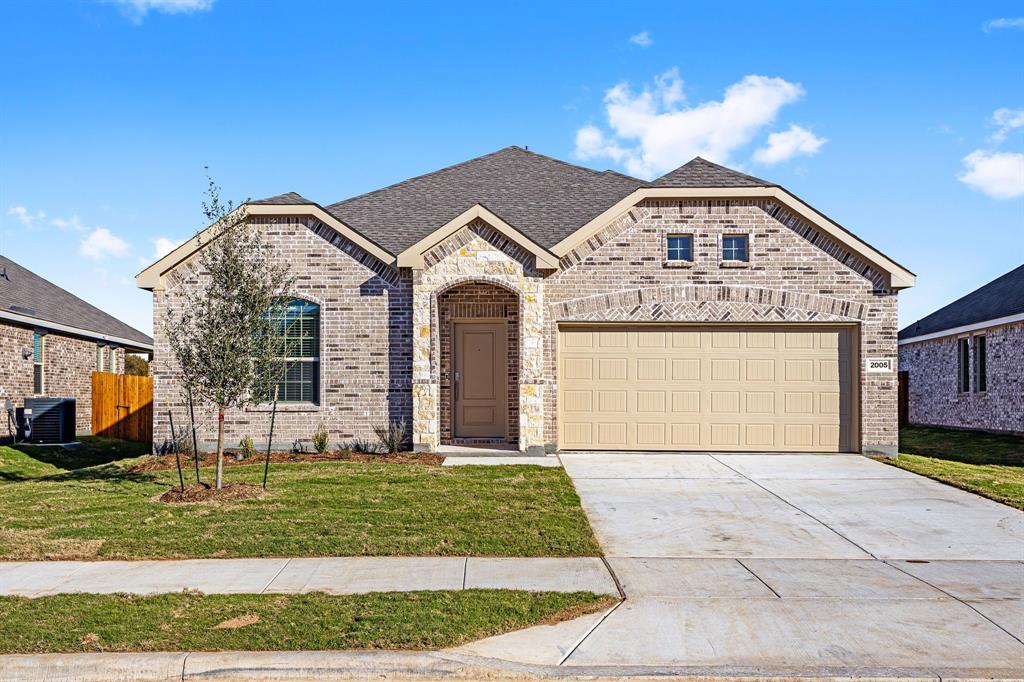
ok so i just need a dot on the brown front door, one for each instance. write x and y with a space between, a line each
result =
481 380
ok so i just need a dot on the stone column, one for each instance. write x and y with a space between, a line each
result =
425 390
531 369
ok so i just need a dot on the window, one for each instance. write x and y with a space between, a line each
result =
298 327
734 247
680 247
963 365
980 361
38 352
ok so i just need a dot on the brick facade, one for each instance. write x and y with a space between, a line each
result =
68 364
365 328
933 388
384 333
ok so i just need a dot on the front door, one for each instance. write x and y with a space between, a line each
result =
481 380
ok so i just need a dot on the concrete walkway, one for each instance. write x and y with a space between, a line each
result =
343 575
790 564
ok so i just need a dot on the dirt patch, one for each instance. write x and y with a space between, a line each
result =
166 462
238 622
197 492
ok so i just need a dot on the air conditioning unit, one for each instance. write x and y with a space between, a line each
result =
48 420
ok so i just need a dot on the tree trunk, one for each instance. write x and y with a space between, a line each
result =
220 447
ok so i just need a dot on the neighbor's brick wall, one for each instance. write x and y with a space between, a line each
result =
365 356
68 364
476 300
934 396
796 274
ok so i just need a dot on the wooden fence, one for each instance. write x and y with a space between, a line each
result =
122 406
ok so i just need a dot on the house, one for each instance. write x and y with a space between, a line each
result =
516 298
51 342
964 363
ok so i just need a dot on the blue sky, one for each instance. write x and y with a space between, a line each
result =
902 121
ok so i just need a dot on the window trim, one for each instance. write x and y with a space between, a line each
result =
39 341
678 262
314 360
979 357
963 365
746 247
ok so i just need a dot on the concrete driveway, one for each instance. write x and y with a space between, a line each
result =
791 564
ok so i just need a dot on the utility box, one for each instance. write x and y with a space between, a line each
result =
48 420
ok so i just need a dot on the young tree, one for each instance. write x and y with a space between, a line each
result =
222 331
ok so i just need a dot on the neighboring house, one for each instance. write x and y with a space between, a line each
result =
516 298
965 362
51 342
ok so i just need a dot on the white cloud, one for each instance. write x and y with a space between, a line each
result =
161 247
998 174
785 145
26 217
653 132
138 9
643 39
71 223
101 243
1007 120
1003 22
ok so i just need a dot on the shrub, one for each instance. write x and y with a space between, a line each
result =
247 447
321 439
169 447
360 445
392 436
298 447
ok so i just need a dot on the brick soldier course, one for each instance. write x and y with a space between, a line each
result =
391 269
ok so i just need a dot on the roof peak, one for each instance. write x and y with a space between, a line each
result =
699 172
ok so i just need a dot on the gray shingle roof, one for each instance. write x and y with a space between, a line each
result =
702 173
26 293
1001 297
544 198
286 199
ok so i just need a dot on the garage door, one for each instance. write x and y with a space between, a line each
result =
705 388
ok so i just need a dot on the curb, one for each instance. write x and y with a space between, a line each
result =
273 666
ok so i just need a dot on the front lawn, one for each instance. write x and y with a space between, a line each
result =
191 621
55 508
990 465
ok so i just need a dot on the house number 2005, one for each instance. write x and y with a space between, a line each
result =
880 364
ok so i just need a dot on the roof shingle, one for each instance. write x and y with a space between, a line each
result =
26 293
703 173
1002 297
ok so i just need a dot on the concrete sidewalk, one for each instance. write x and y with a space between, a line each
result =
333 575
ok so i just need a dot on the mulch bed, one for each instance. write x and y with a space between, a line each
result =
207 459
200 492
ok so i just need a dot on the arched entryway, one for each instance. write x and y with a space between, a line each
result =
479 348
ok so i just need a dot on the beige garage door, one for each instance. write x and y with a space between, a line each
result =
705 388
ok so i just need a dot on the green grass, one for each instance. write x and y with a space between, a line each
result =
990 465
90 505
187 621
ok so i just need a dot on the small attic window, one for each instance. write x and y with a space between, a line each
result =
680 247
734 248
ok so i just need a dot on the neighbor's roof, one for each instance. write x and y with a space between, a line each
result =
24 294
1002 297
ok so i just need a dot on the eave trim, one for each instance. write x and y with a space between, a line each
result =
899 277
963 329
77 331
412 257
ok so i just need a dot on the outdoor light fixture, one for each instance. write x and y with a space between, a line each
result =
25 353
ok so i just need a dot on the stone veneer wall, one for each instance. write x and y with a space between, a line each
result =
795 274
934 395
68 364
365 345
477 300
477 253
